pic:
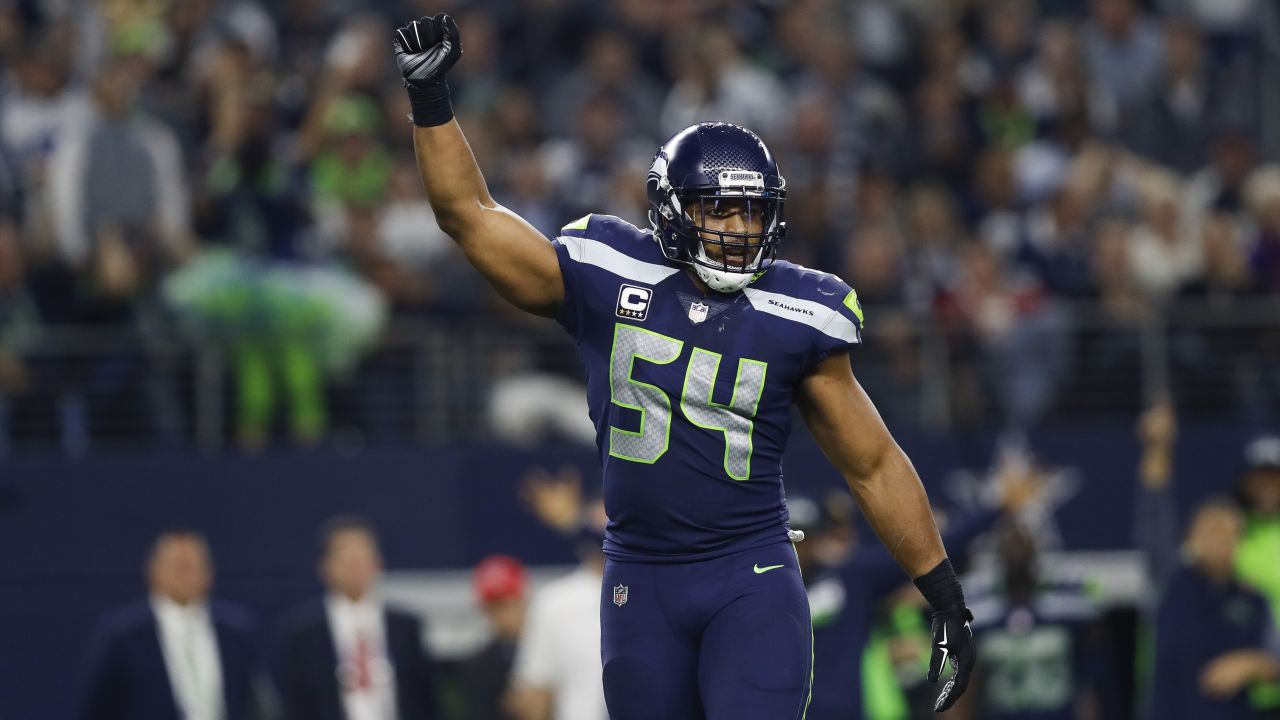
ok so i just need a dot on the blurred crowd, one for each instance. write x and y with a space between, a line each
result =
238 174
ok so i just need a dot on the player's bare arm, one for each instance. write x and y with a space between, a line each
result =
848 428
512 255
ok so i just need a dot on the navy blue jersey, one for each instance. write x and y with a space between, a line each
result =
690 392
1199 620
1035 658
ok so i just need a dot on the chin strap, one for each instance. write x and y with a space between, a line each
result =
723 280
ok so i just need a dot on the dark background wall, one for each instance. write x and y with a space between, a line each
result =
73 535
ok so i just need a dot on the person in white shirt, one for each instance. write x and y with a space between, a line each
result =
558 674
349 656
175 655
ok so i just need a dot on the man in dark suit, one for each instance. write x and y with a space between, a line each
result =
174 656
347 656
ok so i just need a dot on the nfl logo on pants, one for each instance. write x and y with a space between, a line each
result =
619 595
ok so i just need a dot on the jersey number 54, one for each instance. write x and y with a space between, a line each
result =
735 420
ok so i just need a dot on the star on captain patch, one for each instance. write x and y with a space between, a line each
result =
698 312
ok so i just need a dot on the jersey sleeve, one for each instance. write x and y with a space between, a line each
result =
571 248
842 328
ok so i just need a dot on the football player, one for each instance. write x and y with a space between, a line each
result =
696 343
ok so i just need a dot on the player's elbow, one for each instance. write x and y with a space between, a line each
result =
463 221
869 463
454 222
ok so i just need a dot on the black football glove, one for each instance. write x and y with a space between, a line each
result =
952 640
426 49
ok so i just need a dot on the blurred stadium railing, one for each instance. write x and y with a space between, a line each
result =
429 382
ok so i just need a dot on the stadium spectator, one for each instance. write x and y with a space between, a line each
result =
1263 193
1260 544
1223 184
349 655
880 32
1119 295
1225 279
1164 253
200 29
1055 84
1007 34
1259 489
525 182
1055 244
99 222
715 80
499 583
585 166
246 200
1211 631
1124 50
608 67
408 239
39 108
177 655
350 166
1020 335
1210 360
1254 542
111 243
818 215
1232 29
933 229
1230 18
1177 120
869 117
557 672
1111 355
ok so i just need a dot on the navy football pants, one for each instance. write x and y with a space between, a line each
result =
721 639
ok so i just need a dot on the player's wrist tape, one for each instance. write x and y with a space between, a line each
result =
430 104
941 588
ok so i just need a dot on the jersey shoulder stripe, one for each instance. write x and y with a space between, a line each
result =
605 228
817 299
806 312
613 245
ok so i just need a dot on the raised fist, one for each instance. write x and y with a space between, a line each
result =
426 49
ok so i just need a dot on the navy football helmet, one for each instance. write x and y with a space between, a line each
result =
701 172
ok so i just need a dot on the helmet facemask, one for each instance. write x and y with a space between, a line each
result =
727 260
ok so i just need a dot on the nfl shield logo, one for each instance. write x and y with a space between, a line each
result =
697 312
619 595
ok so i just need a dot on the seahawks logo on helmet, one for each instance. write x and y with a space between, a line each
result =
696 171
